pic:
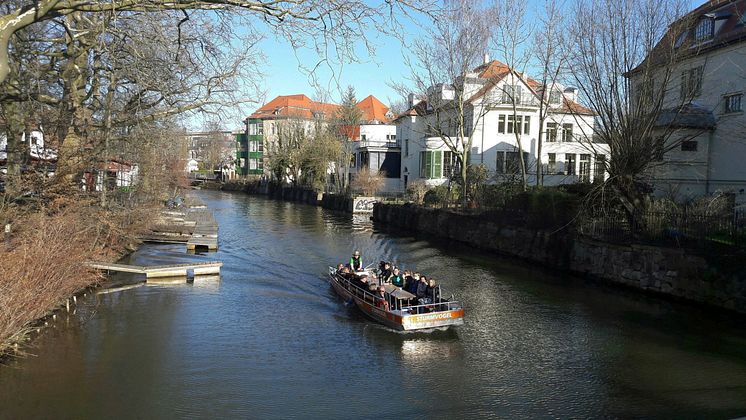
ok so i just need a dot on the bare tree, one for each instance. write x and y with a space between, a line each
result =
512 36
442 67
369 182
217 147
347 122
88 41
549 57
623 57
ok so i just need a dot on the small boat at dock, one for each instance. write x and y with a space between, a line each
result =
401 311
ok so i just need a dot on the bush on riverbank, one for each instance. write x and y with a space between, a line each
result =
43 264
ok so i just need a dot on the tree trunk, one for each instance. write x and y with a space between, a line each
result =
70 162
15 129
107 131
539 138
524 180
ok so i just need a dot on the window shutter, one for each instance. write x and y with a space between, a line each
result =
437 158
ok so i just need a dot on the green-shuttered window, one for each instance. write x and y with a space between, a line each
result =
431 164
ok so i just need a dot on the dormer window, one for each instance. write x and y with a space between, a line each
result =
705 29
555 97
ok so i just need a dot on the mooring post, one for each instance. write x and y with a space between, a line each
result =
7 235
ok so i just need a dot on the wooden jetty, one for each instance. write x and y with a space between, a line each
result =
205 233
194 225
160 271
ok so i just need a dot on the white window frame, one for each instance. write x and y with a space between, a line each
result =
733 103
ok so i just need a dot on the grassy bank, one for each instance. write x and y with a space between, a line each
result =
42 264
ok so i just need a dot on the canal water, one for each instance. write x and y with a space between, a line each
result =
269 339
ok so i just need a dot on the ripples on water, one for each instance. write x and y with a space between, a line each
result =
269 338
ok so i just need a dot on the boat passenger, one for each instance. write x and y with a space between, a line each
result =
373 282
381 301
433 292
385 271
340 268
356 262
412 285
407 279
361 281
396 278
421 293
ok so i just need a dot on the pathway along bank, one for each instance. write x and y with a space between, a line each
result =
673 272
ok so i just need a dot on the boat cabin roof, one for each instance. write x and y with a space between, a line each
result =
397 292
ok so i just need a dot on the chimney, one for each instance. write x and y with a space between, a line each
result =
410 100
486 58
571 94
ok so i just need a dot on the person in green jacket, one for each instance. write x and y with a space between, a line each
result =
397 279
356 262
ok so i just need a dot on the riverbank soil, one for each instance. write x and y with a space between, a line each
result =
43 258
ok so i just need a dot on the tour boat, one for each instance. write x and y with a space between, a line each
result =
403 314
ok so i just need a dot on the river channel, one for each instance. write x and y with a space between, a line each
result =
270 339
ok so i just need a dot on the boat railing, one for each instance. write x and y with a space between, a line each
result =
395 304
443 306
353 288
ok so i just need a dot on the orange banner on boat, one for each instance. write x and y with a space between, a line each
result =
437 316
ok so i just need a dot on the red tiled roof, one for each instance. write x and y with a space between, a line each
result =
301 106
495 71
373 110
571 107
296 106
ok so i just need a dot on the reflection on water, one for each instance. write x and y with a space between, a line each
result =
268 338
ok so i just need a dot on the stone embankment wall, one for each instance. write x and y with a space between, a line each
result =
328 201
669 271
303 195
337 202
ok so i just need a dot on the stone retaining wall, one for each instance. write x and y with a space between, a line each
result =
669 271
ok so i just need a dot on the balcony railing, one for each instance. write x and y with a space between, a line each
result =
575 138
379 143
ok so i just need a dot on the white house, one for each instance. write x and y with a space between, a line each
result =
113 174
703 118
34 143
192 165
376 146
568 153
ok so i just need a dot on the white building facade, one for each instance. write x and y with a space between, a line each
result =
504 110
376 146
703 110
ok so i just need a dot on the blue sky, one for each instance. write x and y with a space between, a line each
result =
370 75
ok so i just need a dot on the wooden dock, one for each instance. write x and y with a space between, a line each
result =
160 271
193 225
205 233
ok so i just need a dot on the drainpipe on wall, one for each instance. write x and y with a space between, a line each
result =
481 150
709 162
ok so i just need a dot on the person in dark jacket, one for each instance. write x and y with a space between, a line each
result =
421 293
385 271
412 283
421 288
433 291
